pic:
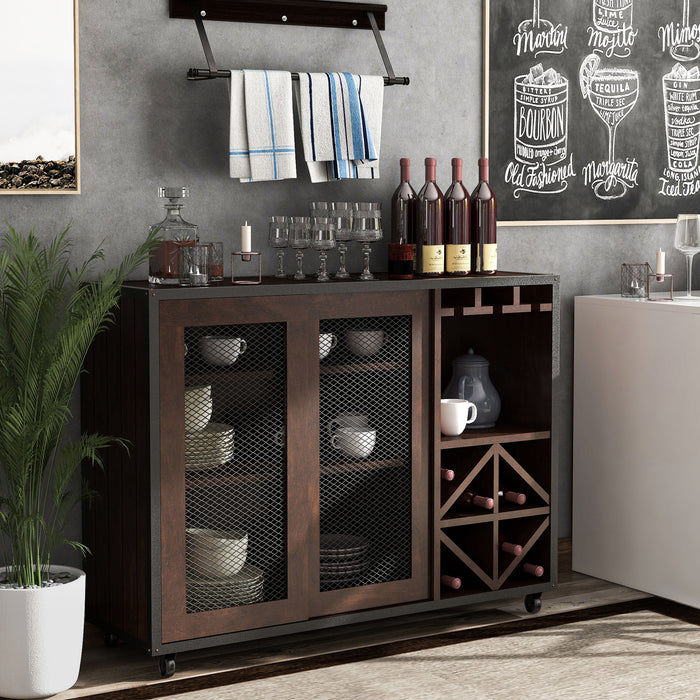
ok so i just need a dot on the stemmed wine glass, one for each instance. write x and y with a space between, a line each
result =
322 240
367 228
690 50
341 214
299 240
279 238
535 23
687 240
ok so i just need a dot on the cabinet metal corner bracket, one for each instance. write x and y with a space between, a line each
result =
316 13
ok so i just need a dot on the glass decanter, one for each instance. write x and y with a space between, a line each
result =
164 263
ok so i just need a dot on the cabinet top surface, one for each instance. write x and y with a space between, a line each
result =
678 305
281 287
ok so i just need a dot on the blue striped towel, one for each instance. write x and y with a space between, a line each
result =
261 137
340 115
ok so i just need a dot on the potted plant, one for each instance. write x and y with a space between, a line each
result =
50 312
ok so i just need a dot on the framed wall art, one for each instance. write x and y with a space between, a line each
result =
39 122
592 109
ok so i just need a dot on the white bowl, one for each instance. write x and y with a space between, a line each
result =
198 407
365 342
215 553
326 342
221 351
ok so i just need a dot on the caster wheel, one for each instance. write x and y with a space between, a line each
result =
166 665
111 639
533 602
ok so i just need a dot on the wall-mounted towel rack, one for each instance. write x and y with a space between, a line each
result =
316 13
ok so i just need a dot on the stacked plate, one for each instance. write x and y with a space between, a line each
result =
209 447
344 559
243 588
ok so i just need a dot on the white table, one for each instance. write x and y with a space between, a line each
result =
636 480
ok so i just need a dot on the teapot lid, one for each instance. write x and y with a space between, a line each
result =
471 359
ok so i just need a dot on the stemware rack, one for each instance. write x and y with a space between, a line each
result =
286 485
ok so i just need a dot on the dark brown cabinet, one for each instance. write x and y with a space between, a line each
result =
348 522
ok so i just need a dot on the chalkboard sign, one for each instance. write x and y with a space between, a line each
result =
592 109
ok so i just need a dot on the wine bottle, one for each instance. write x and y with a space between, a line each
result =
457 230
469 499
483 224
451 581
515 549
447 474
513 497
533 569
402 248
430 232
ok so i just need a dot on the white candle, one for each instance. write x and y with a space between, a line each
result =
660 262
245 238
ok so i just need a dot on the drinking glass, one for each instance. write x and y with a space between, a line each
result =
341 214
299 240
367 228
279 238
687 241
535 23
322 240
319 209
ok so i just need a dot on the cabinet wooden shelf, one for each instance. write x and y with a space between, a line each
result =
287 487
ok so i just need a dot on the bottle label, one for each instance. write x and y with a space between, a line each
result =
489 258
458 258
433 259
400 261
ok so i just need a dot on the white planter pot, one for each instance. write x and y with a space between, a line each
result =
41 637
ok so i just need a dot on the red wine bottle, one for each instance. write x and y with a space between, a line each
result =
457 230
513 497
483 224
402 248
515 549
469 499
430 231
533 569
451 581
447 474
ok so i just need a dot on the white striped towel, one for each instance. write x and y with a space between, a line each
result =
341 120
261 138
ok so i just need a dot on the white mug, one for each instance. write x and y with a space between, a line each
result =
348 420
455 415
354 442
326 342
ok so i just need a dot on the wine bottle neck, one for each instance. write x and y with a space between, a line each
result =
456 170
405 170
483 170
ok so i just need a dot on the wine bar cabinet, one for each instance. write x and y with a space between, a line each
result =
285 469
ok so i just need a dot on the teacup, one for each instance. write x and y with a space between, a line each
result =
221 351
326 342
198 407
455 415
365 342
348 420
354 442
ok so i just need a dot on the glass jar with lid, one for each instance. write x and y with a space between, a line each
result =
164 263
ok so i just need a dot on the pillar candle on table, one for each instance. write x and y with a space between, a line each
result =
660 262
245 238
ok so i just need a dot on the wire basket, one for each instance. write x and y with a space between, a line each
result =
634 280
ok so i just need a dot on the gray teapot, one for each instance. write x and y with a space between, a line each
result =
470 380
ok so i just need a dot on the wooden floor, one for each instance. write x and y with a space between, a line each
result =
124 666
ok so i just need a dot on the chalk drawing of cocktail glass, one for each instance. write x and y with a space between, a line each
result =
535 23
613 93
541 116
690 50
682 116
612 16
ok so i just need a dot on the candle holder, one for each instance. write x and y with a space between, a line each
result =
653 277
634 280
246 268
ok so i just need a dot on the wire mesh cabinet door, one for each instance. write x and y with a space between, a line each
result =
370 548
230 494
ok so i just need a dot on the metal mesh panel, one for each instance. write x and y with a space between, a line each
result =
235 462
365 451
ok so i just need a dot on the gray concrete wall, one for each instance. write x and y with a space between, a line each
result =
143 125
